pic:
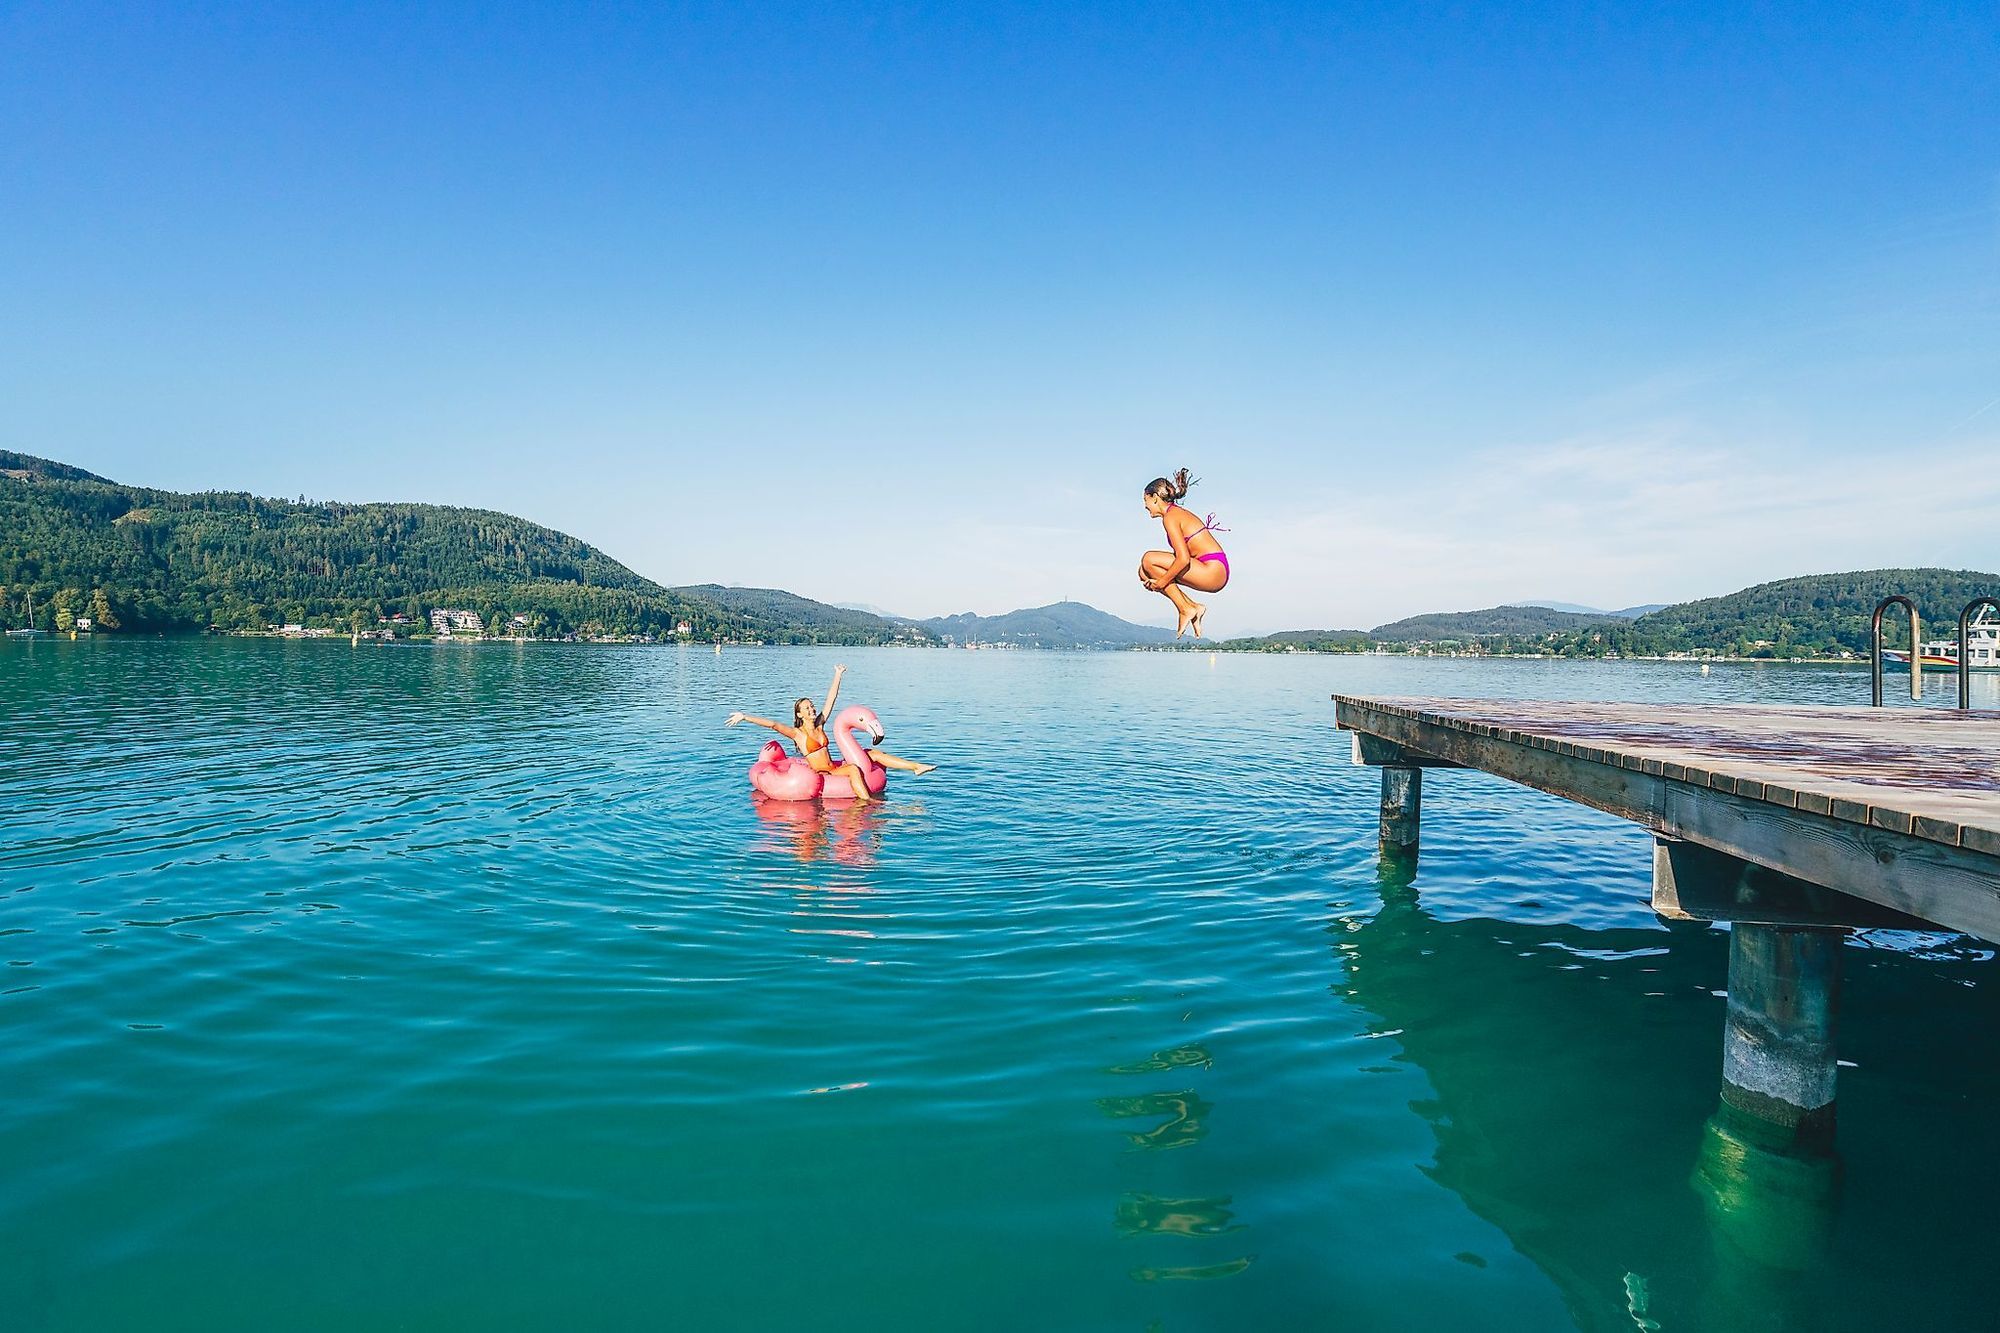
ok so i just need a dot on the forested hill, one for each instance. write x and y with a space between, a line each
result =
1057 625
170 562
1805 616
831 624
1513 620
1814 615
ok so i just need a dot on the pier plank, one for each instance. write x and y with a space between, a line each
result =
1900 807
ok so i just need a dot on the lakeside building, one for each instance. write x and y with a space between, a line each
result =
444 620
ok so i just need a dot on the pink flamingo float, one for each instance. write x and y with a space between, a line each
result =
783 777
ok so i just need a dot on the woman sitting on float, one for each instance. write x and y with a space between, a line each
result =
808 732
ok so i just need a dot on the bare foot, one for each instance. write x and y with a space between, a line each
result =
1181 628
922 769
1194 621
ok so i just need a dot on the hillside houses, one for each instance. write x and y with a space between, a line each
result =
445 621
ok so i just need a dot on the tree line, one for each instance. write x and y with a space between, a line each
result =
155 561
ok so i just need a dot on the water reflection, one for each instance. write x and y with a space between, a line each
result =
1775 1209
1150 1215
849 836
1186 1114
1190 1056
1575 1072
1182 1117
1192 1272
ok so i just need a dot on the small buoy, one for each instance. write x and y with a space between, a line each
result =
1704 668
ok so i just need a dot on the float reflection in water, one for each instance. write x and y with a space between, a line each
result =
848 835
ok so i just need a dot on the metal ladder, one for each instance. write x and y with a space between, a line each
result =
1965 648
1875 650
1917 649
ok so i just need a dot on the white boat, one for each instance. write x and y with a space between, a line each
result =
1982 647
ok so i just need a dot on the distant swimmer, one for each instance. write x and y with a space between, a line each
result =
1197 560
808 733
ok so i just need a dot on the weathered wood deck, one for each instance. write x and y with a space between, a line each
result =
1897 807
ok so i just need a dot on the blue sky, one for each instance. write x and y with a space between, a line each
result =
902 305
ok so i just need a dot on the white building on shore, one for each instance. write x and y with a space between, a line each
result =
446 620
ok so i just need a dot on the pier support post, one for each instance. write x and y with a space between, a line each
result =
1778 1047
1402 804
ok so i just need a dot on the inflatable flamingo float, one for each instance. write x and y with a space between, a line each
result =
782 777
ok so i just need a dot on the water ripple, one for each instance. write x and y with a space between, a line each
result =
324 955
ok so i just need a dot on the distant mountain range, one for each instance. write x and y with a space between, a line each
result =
1629 613
164 561
151 560
1057 625
1809 616
1517 620
801 616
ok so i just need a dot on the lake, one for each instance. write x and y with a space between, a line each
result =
467 988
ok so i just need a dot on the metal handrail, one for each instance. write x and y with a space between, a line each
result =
1965 648
1916 649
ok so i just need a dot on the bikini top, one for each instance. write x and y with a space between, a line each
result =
811 750
1208 525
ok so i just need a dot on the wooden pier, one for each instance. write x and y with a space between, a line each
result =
1794 824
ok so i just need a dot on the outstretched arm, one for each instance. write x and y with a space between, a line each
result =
833 692
764 722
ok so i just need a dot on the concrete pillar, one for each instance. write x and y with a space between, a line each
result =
1778 1047
1402 801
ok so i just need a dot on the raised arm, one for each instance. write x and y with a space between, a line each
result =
764 722
833 692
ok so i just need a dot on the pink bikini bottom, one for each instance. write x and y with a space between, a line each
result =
1216 555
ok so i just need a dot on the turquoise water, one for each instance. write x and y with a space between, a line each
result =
467 988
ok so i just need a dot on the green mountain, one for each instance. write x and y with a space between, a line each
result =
1058 625
1815 615
1304 641
817 621
1460 626
1807 616
169 562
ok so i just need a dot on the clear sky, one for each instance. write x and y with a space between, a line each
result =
903 304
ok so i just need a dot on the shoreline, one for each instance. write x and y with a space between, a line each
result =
1856 662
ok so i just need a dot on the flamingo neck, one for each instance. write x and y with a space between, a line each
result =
857 755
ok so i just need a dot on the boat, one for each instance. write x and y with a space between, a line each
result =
31 631
1982 647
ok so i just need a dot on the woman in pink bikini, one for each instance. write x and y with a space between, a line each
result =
1197 560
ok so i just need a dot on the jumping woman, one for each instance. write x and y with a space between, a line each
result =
1196 560
808 733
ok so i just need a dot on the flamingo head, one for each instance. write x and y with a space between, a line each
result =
858 718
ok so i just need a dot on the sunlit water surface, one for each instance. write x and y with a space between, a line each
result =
467 988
